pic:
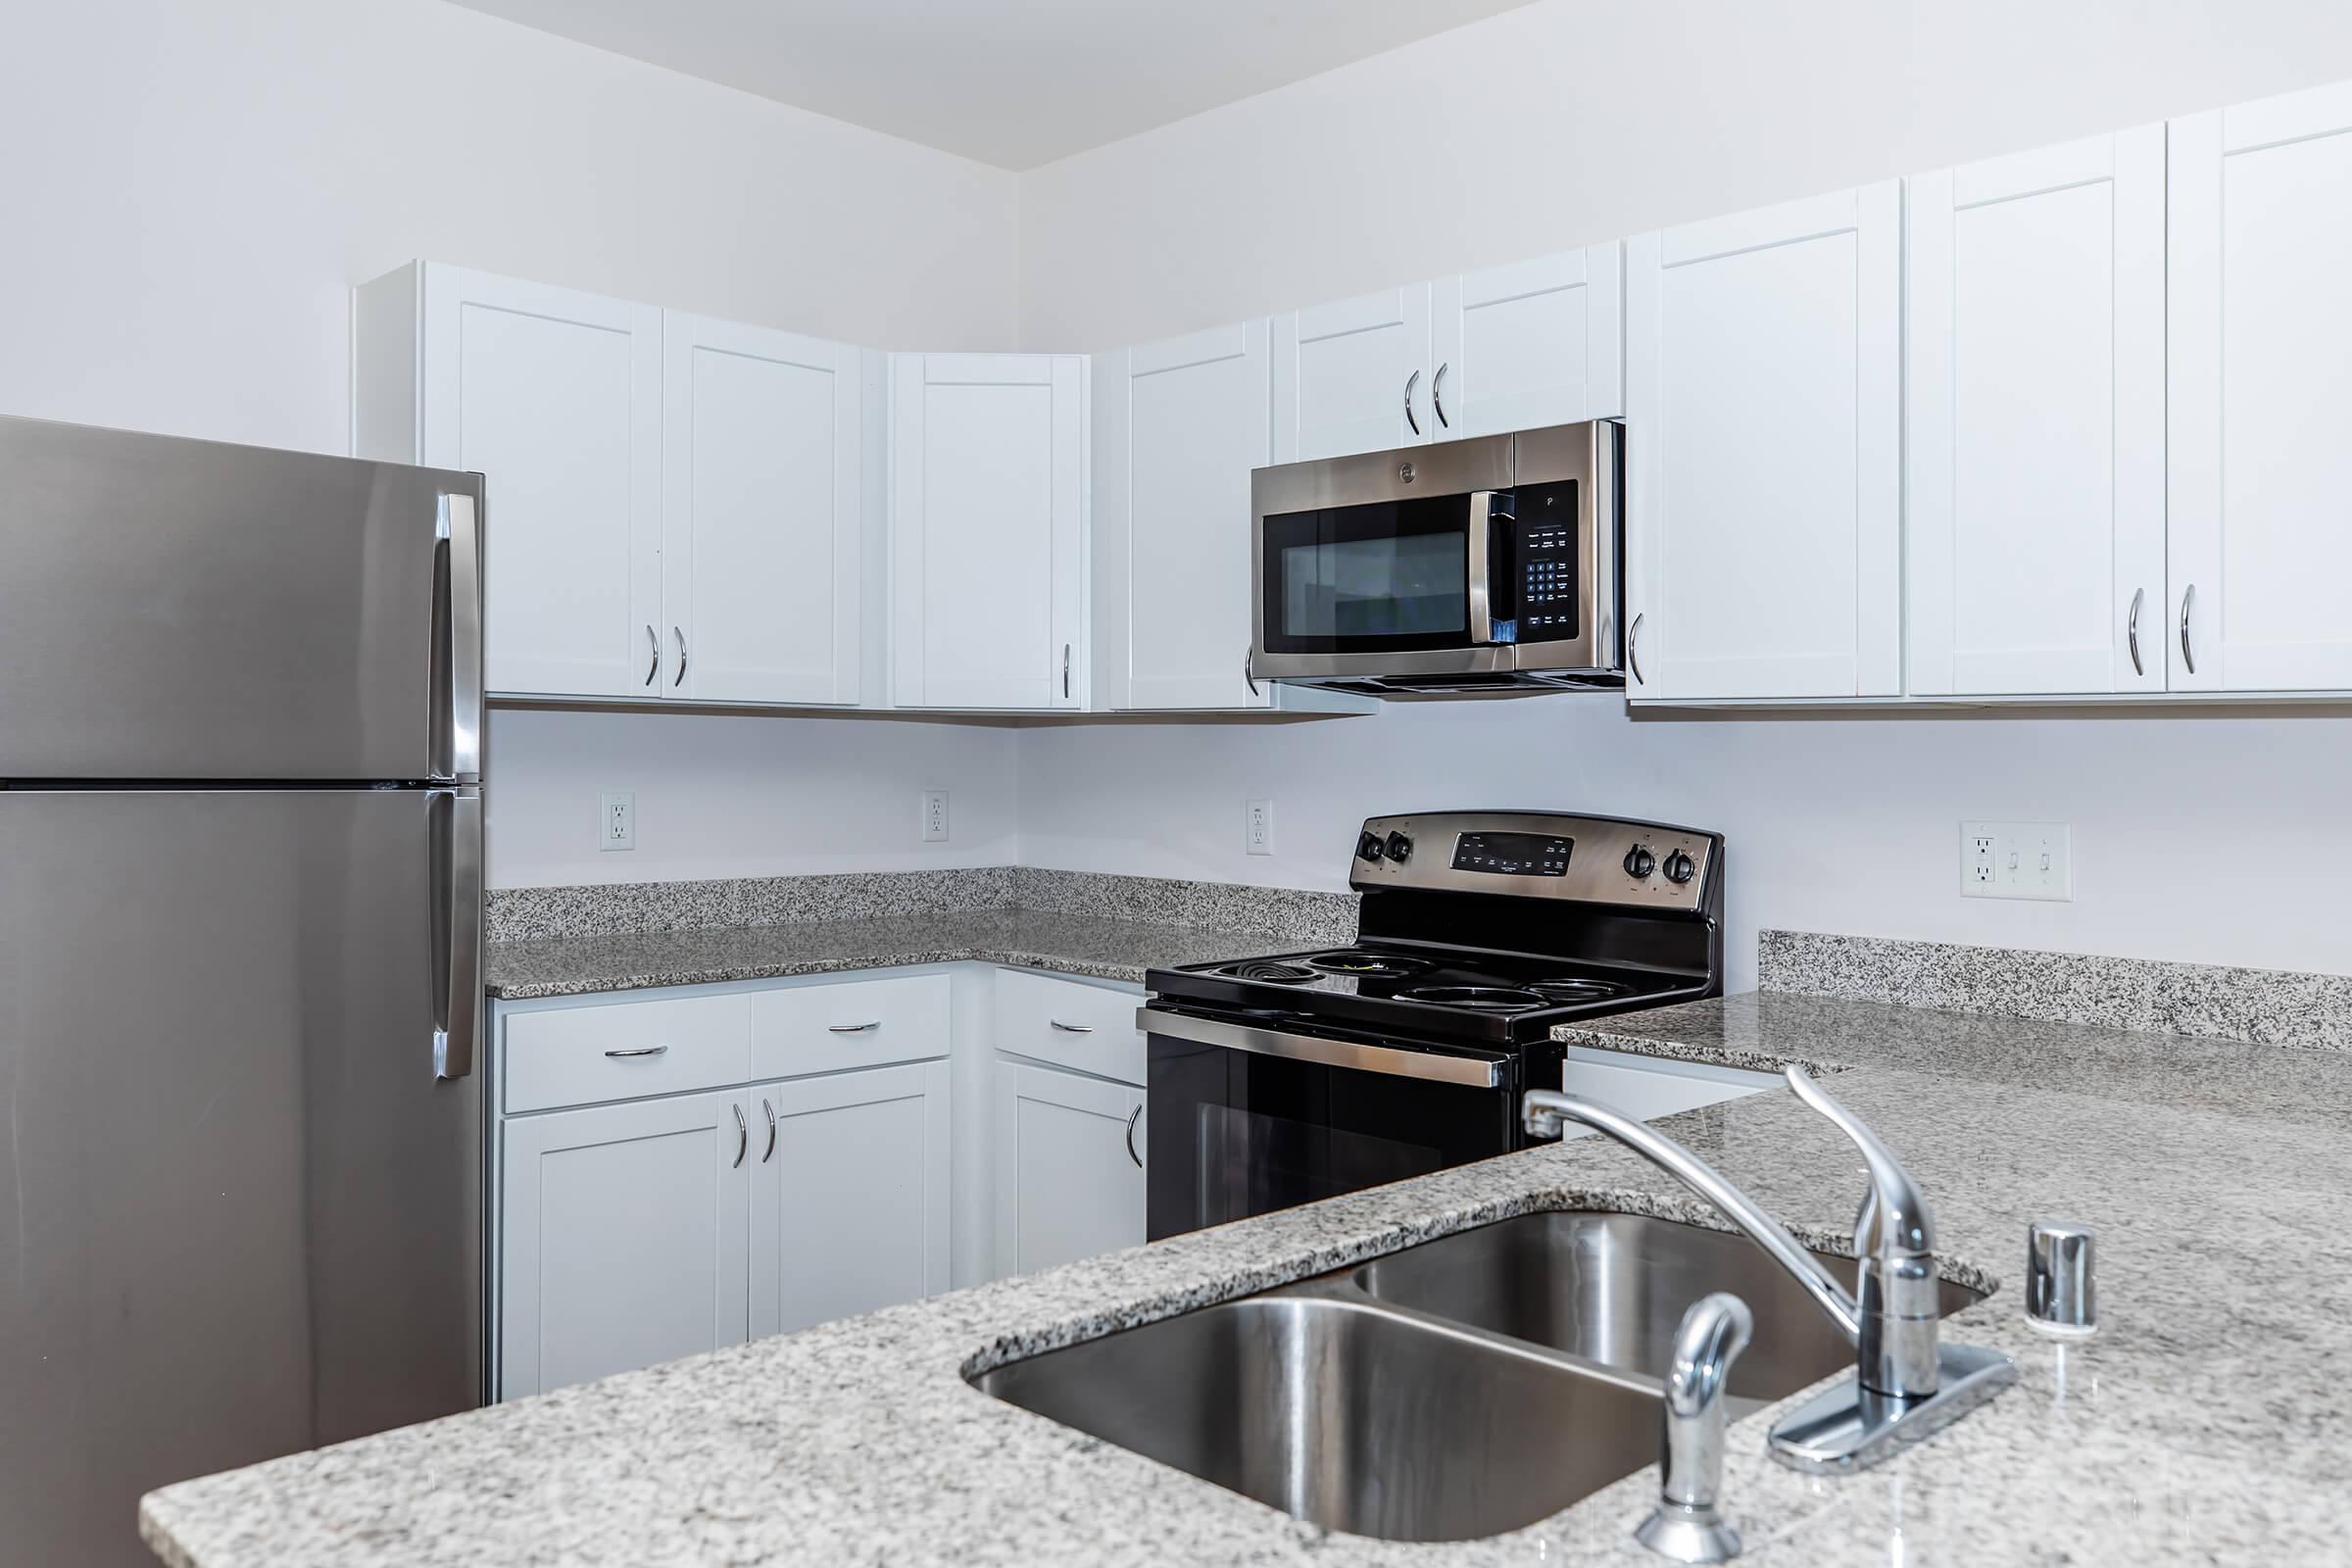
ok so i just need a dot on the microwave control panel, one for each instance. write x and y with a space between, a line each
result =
1543 530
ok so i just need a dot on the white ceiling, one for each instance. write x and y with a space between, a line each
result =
1010 83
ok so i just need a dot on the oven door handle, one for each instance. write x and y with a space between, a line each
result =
1476 1071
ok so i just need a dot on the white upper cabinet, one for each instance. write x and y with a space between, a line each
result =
1178 427
1528 345
2259 401
1763 406
988 530
2034 447
1353 376
554 397
760 512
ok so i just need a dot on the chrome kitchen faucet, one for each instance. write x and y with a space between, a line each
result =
1905 1383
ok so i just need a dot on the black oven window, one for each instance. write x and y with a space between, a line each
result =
1398 586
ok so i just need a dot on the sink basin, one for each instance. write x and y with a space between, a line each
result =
1613 1288
1348 1416
1462 1388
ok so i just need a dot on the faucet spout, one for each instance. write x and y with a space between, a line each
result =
1546 1109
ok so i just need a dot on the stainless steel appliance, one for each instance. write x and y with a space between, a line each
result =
1486 566
240 1002
1284 1079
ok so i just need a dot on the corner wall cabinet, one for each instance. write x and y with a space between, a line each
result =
987 521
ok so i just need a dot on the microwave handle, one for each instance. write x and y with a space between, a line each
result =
1489 599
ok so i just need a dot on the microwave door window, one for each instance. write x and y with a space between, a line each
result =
1376 578
1376 589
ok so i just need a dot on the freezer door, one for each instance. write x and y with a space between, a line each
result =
187 610
240 1213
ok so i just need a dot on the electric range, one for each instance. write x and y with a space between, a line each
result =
1291 1076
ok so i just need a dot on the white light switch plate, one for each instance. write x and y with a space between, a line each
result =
2017 860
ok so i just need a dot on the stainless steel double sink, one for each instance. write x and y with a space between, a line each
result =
1462 1388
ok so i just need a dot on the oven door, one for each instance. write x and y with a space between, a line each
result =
1247 1120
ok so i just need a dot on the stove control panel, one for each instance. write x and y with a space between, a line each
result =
1592 859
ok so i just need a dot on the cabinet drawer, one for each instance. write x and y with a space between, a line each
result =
849 1023
1069 1024
627 1051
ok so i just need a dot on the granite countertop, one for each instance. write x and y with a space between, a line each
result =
1102 945
2207 1423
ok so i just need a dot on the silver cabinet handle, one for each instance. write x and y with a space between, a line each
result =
1632 648
2132 632
1410 382
638 1052
1134 1116
853 1028
679 679
1065 669
1436 397
772 1131
1071 1028
653 641
1249 676
743 1137
2187 656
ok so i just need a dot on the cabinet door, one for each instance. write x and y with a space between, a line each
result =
2034 458
1178 427
762 455
1763 408
555 397
1069 1167
623 1238
2261 330
1532 344
988 466
1353 376
849 1194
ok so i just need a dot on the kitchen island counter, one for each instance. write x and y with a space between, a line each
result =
2208 1421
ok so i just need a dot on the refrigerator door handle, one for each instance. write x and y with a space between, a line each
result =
459 635
455 822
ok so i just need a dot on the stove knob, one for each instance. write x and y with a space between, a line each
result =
1399 847
1368 847
1640 863
1680 868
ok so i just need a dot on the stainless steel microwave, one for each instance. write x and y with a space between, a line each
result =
1486 565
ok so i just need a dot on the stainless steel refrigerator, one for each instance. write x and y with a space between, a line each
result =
241 1115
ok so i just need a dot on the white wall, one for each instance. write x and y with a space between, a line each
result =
722 796
2197 837
2207 837
1572 122
192 186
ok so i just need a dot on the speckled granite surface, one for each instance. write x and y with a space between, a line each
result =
629 908
2268 1007
2206 1423
1069 944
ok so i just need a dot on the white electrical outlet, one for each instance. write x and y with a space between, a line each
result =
619 830
1258 828
2017 860
935 817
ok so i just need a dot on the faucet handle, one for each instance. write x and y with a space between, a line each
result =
1687 1526
1894 1221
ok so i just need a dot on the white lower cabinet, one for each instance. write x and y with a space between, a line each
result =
849 1194
622 1240
1069 1176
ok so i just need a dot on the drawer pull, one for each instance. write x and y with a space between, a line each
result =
1071 1028
853 1028
640 1050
